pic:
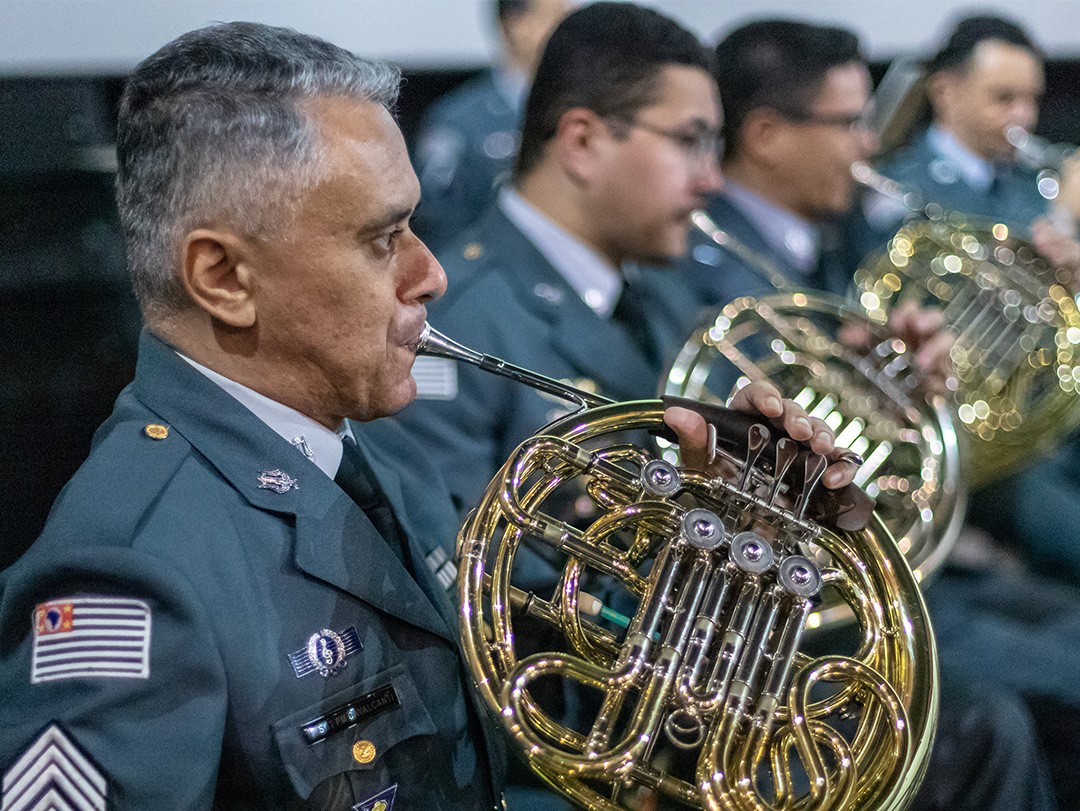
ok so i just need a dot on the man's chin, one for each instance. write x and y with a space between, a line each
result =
667 254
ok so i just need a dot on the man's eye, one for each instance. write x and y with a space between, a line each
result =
388 241
691 143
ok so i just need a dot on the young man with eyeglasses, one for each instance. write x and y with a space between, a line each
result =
618 148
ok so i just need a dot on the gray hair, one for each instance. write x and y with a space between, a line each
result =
211 131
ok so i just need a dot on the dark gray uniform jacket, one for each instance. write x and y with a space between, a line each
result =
464 151
1013 196
236 577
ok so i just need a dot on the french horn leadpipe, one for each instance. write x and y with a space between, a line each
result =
1016 353
691 640
434 343
1036 152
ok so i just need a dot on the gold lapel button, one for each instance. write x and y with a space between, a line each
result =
474 250
363 752
155 431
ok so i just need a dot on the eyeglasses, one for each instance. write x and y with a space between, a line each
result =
856 123
699 146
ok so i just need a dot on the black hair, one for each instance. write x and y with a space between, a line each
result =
779 64
605 57
505 9
970 32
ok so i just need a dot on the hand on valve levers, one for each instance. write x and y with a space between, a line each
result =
764 399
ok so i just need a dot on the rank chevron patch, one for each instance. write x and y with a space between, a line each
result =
53 774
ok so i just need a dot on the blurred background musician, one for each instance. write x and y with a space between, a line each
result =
468 139
793 96
988 77
618 147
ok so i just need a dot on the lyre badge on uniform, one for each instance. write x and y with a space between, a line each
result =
326 652
277 480
383 801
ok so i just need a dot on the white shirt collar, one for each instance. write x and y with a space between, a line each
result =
310 438
596 281
513 86
797 240
977 172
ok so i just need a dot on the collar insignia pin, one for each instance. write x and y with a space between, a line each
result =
277 480
300 443
383 801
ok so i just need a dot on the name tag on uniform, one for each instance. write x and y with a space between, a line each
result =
363 708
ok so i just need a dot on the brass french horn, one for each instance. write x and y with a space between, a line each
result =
867 394
681 610
1017 350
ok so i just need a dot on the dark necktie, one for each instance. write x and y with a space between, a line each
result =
357 479
631 313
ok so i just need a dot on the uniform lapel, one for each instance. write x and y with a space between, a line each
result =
425 522
597 347
335 542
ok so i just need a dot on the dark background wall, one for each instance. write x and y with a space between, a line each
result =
68 322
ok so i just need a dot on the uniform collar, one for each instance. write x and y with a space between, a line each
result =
596 281
512 84
792 237
314 440
978 173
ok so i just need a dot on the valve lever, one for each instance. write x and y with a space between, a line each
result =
757 437
815 468
787 450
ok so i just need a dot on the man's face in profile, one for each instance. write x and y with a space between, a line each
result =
999 86
342 290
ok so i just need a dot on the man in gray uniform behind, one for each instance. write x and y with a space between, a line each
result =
468 139
618 147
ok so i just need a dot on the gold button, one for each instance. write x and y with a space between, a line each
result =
474 250
155 431
363 751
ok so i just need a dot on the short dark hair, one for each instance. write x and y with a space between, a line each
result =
606 57
779 64
505 9
970 32
210 128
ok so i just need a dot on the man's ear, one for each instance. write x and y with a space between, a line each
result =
761 131
218 277
941 90
579 141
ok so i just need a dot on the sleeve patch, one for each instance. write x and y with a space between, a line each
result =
436 378
383 801
91 637
53 773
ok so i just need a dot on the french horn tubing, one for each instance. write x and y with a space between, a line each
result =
1016 355
679 614
867 393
